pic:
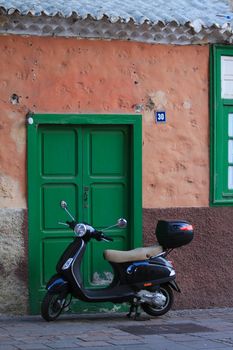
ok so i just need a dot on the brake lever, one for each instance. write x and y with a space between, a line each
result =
104 239
107 239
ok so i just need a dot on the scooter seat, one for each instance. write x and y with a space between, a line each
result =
119 256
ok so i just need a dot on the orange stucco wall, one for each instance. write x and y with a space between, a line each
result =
57 75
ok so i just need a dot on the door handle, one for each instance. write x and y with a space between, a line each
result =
85 197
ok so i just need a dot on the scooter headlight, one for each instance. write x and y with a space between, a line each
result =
80 230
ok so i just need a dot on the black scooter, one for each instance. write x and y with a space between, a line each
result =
142 276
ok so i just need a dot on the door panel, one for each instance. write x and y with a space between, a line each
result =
106 174
59 152
112 202
51 251
107 152
51 196
58 176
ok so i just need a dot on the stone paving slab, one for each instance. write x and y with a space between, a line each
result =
189 329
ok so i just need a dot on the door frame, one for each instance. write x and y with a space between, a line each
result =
134 121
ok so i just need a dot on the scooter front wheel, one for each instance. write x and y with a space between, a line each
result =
160 310
52 305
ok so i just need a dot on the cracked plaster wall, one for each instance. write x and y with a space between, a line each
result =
58 75
13 261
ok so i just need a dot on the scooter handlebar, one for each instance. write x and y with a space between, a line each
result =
100 236
107 238
71 224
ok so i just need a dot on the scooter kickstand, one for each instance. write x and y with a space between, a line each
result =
131 310
137 314
134 309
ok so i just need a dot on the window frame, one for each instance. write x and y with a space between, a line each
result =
220 195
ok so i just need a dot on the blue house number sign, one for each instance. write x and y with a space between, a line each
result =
160 117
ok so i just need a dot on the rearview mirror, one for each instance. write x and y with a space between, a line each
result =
63 205
122 223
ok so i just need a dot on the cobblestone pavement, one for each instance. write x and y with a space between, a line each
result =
178 330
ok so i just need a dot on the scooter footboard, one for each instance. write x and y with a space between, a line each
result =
57 284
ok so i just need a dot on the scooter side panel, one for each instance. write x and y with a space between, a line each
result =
141 272
70 251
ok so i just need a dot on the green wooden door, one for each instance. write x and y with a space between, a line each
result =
89 166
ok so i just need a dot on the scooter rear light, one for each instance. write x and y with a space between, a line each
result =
171 263
186 228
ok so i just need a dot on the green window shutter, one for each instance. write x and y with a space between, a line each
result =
221 126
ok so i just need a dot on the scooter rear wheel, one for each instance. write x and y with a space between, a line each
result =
52 305
159 311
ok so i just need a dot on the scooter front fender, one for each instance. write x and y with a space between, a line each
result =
57 284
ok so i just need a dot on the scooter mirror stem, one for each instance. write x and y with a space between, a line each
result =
107 228
64 206
122 223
